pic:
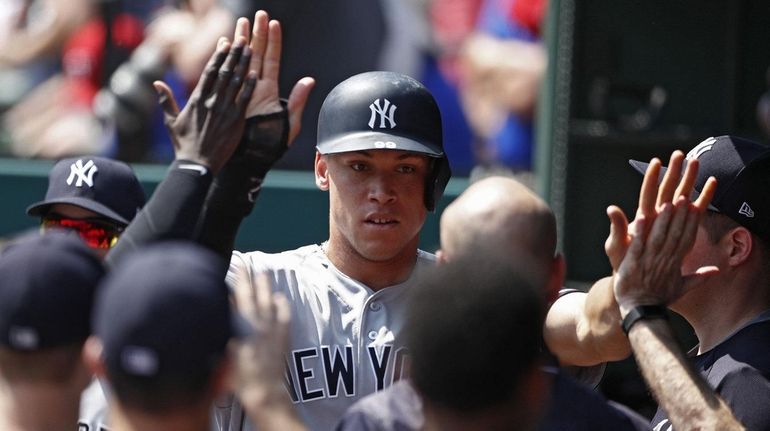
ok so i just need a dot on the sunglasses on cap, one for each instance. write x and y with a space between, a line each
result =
97 233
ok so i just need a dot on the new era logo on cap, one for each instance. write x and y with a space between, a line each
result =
23 338
746 210
83 173
139 361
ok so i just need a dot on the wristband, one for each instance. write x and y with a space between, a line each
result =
643 312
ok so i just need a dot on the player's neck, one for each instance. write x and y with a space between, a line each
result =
729 306
377 275
38 407
122 419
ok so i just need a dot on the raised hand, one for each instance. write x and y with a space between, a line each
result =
652 199
266 45
662 234
208 129
260 359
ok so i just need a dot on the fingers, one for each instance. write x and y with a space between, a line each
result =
209 76
272 60
670 179
297 101
617 241
698 278
241 29
688 180
259 41
244 293
166 100
227 70
239 75
648 192
246 92
706 195
263 297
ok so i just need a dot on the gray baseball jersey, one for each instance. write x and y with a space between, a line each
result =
345 339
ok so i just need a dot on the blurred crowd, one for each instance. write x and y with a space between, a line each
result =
76 76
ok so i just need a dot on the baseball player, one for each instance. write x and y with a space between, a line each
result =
47 289
520 230
94 196
728 310
380 158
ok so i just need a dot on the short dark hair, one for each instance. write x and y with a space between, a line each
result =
55 365
717 225
474 329
161 394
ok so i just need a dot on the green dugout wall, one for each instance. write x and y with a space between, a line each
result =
290 211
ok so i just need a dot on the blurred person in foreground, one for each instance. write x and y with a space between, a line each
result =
46 294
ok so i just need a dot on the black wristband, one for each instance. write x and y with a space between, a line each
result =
643 312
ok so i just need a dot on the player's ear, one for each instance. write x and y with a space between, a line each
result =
223 377
92 356
739 245
556 277
321 172
440 257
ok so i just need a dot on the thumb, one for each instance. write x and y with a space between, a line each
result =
166 100
617 241
698 278
297 100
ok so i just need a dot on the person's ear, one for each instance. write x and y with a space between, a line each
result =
222 378
556 278
92 356
440 257
739 244
321 172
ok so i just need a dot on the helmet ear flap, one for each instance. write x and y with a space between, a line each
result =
436 182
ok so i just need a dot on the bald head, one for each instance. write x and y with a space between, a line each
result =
502 214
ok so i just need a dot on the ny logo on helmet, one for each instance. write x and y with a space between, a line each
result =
85 173
385 111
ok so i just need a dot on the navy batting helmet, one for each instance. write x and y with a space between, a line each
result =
385 111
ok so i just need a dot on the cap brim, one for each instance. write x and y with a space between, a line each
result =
641 167
39 208
379 141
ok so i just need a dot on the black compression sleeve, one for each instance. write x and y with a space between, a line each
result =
172 211
234 192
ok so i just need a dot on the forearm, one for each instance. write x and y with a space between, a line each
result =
171 212
584 329
690 403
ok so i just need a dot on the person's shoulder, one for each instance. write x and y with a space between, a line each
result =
397 407
574 406
748 349
284 259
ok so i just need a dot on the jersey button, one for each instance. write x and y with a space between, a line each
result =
372 335
375 306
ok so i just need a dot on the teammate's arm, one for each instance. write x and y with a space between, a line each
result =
271 125
203 142
260 359
583 329
650 275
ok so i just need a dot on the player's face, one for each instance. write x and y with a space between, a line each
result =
376 201
703 253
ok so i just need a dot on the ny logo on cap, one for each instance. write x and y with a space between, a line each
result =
85 173
701 148
385 112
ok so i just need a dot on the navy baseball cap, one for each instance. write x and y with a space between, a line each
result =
105 186
742 170
47 287
164 313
